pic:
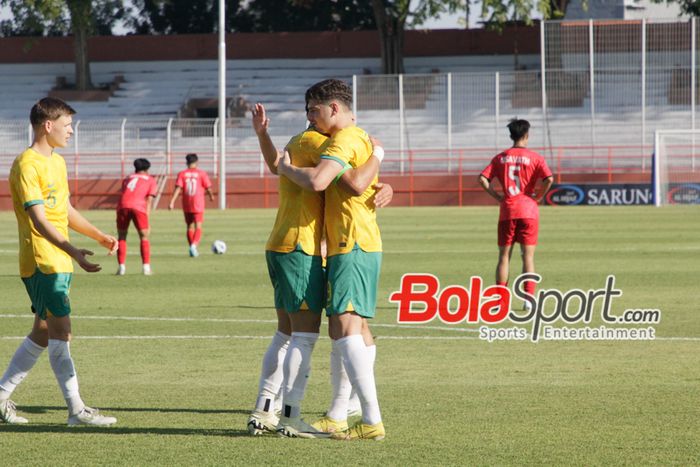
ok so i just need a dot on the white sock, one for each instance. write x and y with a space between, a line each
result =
272 373
22 361
357 362
354 402
340 382
63 368
297 366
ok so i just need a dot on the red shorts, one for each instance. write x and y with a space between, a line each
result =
518 231
192 217
126 215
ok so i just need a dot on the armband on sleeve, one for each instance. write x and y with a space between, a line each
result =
346 167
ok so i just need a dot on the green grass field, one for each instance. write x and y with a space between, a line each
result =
176 356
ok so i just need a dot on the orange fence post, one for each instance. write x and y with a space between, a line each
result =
460 174
559 165
75 179
410 178
266 189
609 164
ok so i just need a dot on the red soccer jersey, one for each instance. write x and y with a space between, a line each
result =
518 170
193 182
136 188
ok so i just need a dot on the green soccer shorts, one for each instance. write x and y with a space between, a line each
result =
352 282
298 279
49 293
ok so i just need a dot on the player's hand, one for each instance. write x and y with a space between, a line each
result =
171 206
383 195
284 163
260 120
375 142
110 243
80 257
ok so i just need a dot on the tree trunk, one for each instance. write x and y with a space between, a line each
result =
81 18
391 36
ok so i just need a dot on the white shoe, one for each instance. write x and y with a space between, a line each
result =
92 417
121 270
193 251
298 428
260 422
8 413
147 270
527 306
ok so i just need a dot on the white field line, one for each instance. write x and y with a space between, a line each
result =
271 321
227 337
234 320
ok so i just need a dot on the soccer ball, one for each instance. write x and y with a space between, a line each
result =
218 247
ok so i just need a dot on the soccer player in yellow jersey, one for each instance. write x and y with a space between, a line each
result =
354 242
40 196
294 262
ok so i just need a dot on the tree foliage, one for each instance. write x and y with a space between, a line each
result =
54 18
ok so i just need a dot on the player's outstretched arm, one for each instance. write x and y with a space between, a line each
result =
209 193
176 193
310 178
267 147
77 222
357 180
47 230
486 185
546 185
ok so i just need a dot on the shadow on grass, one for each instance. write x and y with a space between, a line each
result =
121 430
37 409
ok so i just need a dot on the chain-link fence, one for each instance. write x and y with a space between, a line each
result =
602 90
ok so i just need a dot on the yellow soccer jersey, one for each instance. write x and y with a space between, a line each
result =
37 179
300 214
350 219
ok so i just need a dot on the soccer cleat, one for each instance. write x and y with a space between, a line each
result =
8 413
193 251
298 428
121 270
147 270
527 306
260 422
91 417
328 425
362 431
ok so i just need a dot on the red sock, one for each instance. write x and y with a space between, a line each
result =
190 236
504 284
146 251
197 236
121 252
529 287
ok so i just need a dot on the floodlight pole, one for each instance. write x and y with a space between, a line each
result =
222 105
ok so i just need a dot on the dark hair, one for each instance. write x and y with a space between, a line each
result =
191 158
329 90
141 165
49 108
518 129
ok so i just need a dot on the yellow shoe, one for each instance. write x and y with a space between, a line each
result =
329 425
362 431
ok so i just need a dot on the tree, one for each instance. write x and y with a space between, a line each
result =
392 18
82 18
179 16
